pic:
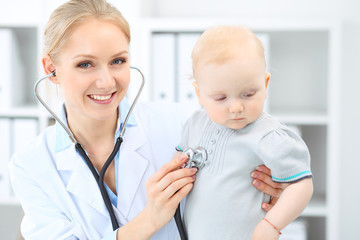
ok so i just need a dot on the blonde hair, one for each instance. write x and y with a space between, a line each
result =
74 12
221 43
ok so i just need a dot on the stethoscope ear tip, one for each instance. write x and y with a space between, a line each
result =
54 73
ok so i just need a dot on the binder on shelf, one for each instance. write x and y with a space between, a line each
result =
163 63
6 39
185 91
11 71
5 148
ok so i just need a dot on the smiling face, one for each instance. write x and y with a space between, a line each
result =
93 70
233 93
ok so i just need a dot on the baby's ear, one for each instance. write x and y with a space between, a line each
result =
267 79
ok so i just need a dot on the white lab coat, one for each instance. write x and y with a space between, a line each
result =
59 195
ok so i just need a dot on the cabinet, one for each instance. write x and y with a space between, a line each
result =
303 90
20 118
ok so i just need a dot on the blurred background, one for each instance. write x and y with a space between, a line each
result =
312 50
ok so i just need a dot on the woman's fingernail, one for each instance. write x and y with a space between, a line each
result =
194 169
254 175
259 169
182 159
264 207
256 183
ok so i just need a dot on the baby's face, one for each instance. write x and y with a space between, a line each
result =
233 93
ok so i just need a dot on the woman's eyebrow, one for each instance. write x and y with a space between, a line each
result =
94 57
120 53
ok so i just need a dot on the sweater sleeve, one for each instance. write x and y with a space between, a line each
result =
286 154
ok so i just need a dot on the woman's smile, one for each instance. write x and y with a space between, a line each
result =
102 98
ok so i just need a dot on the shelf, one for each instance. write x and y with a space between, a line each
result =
302 118
316 208
257 24
13 201
20 112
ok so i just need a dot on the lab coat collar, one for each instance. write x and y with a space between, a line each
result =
62 139
133 163
81 182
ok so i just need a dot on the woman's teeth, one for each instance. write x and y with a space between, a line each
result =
100 97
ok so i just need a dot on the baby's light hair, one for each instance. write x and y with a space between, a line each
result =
221 43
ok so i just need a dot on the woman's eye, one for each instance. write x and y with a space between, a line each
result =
118 61
84 65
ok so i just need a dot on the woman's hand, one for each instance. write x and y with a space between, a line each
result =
166 188
263 182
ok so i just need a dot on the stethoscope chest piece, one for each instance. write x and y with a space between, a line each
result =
197 158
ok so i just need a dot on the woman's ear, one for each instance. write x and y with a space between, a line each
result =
49 67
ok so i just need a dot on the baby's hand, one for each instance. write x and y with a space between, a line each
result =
264 231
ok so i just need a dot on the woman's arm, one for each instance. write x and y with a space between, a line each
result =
165 189
291 203
263 181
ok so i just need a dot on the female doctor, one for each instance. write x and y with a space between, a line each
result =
86 44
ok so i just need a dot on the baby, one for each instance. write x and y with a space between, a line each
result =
231 85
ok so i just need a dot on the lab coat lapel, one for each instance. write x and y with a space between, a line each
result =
81 183
134 159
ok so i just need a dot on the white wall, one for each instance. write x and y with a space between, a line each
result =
346 10
350 115
240 8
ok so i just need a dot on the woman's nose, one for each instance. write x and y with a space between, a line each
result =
106 80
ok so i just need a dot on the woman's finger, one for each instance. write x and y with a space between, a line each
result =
179 195
174 164
174 176
267 189
177 185
266 179
263 174
268 206
264 169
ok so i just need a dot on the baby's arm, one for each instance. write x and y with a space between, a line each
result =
291 203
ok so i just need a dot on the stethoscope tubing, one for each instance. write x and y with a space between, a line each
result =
98 177
179 224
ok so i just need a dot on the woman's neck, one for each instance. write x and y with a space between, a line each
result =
95 136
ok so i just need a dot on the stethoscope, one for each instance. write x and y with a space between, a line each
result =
98 177
196 158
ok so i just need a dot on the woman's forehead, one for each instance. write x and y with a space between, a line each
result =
94 37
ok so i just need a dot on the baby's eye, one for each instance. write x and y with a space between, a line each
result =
219 98
84 65
118 61
249 94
